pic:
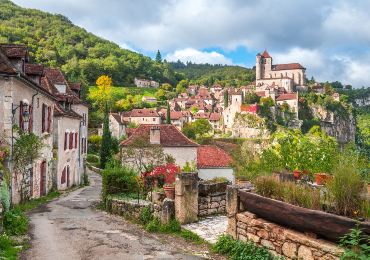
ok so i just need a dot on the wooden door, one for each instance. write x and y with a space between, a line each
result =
68 173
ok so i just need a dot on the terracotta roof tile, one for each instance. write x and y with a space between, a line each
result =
169 136
215 116
289 66
16 50
285 97
202 115
175 115
265 54
209 156
6 67
60 111
34 68
117 117
144 113
260 93
75 85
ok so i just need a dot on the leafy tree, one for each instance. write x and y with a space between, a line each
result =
267 100
105 146
202 126
158 58
226 98
189 131
168 118
252 98
95 140
104 92
124 105
194 110
161 94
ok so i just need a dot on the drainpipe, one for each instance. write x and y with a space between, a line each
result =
79 155
33 99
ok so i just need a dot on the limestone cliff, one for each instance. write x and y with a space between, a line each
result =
248 125
342 127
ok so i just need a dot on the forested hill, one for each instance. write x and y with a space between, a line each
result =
207 74
54 41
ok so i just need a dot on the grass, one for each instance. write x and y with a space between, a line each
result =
31 204
8 248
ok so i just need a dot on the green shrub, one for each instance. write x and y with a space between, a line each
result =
86 180
146 216
355 245
7 248
92 158
15 223
118 178
154 226
188 235
173 226
5 197
238 250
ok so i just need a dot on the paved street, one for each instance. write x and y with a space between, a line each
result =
71 227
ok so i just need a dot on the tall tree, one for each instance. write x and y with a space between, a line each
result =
226 99
106 140
158 58
168 119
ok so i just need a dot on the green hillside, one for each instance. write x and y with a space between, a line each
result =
54 41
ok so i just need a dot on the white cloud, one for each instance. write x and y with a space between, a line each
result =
196 56
128 47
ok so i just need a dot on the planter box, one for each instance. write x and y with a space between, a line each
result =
212 189
330 226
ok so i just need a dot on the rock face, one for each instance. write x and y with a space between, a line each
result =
342 127
365 101
250 126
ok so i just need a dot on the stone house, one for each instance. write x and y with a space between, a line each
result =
336 97
149 99
140 83
170 138
181 101
206 97
145 116
117 126
213 162
154 84
21 93
201 115
214 120
318 88
290 99
70 129
193 90
228 114
177 118
183 95
188 116
291 76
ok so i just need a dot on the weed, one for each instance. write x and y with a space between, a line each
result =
188 235
146 215
86 180
7 246
15 223
154 226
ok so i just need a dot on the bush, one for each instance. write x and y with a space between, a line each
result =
15 223
5 197
238 250
154 225
188 235
117 178
8 249
92 158
146 216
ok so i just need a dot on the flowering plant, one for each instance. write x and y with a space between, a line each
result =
167 173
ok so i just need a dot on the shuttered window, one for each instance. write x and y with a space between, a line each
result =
30 123
43 117
49 119
71 141
21 111
76 135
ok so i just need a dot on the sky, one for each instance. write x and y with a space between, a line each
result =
331 39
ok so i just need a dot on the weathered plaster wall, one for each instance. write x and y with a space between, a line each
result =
182 154
210 173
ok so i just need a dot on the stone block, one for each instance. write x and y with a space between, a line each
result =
231 226
242 238
158 197
250 215
242 217
242 232
258 223
202 212
203 206
278 233
310 234
278 249
252 230
330 257
267 244
215 205
217 198
289 249
241 225
186 197
305 253
211 211
263 234
221 210
256 239
232 200
168 209
223 202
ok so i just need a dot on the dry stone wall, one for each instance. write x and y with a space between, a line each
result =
284 241
209 205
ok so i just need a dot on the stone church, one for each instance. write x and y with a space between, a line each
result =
291 77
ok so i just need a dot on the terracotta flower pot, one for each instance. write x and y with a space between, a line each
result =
170 192
320 178
329 179
242 182
297 174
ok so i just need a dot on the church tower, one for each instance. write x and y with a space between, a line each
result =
258 66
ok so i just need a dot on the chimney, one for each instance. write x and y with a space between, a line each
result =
155 134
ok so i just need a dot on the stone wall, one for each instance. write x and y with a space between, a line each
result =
134 209
283 241
208 205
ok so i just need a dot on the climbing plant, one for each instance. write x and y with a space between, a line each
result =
26 148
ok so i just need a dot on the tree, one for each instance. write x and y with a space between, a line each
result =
161 94
194 110
252 98
106 140
202 126
168 118
124 105
104 93
189 131
226 99
158 58
95 140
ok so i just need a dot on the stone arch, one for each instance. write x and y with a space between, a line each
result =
65 178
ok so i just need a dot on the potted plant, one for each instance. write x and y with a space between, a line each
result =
297 174
167 173
321 178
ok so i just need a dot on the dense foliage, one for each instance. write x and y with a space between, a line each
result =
106 142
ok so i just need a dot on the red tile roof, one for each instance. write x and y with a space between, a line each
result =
260 93
202 115
216 86
187 113
16 50
285 97
34 68
130 131
209 156
265 54
289 66
180 99
75 85
173 115
215 116
6 67
144 113
60 111
117 117
55 75
335 95
193 87
169 136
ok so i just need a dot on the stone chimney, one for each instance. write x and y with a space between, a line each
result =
155 134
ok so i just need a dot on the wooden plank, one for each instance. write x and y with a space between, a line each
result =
330 226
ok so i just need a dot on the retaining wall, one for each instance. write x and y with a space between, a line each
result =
208 205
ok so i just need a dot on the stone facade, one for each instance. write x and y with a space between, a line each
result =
284 241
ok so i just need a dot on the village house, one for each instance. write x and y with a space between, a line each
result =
177 118
140 83
318 88
187 115
228 114
336 97
192 90
145 116
70 129
214 120
180 101
291 76
154 84
25 103
149 99
206 97
214 162
170 138
117 125
183 95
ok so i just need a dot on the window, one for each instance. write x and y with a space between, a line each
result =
70 141
66 141
154 119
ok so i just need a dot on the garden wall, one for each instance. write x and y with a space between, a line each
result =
211 198
283 241
133 208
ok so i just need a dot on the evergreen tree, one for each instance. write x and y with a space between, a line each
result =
158 58
106 140
168 119
226 99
